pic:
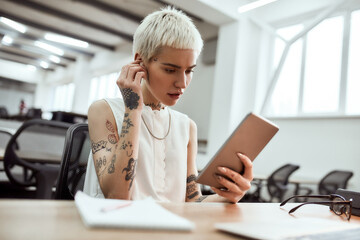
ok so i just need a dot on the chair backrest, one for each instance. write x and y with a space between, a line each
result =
3 112
34 113
334 180
37 138
277 182
74 161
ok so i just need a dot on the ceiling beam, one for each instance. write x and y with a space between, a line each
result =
69 17
187 13
30 57
25 62
113 9
54 30
59 45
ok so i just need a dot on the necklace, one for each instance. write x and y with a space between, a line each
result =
158 138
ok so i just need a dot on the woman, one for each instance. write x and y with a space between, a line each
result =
141 147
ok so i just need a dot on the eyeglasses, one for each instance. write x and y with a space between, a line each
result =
338 204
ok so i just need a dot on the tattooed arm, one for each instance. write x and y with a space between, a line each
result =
193 192
115 156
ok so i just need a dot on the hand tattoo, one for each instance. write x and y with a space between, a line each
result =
131 99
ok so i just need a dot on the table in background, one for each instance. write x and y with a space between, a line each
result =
50 219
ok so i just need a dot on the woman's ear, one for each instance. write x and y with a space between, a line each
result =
137 57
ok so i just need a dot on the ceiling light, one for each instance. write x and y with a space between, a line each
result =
54 59
65 40
49 48
44 64
254 5
15 25
7 40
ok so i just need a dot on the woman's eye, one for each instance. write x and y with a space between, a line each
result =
189 71
169 70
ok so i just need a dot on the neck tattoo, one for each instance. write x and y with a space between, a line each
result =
154 106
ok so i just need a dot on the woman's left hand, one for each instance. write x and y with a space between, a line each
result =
241 183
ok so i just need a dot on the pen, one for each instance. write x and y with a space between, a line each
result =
114 207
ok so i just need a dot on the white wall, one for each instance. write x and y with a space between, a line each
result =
317 145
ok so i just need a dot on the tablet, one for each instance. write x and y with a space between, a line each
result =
250 137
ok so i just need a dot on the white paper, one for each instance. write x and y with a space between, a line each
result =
291 228
140 214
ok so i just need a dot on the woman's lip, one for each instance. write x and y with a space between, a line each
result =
175 95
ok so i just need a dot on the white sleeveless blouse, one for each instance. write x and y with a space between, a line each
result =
162 164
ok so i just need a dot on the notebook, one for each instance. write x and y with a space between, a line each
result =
292 228
139 214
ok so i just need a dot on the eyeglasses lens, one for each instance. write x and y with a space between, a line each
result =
338 208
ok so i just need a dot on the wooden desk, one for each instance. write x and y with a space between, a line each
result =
50 219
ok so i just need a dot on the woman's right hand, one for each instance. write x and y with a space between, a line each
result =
129 83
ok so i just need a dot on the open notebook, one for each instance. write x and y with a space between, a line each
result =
293 229
140 214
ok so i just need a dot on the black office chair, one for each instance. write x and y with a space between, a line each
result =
74 161
32 156
277 184
329 183
3 112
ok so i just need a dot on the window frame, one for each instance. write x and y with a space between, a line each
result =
305 20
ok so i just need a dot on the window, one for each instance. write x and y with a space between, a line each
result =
323 67
64 96
104 87
313 73
353 83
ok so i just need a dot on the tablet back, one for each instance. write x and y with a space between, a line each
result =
249 138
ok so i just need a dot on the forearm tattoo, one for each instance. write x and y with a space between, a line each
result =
111 168
131 99
191 188
127 146
127 124
130 171
112 136
95 147
100 166
200 199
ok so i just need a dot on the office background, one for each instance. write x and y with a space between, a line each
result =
293 61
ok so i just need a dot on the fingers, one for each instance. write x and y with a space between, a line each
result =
234 198
131 73
236 184
248 172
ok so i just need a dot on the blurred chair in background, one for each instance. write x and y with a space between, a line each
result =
328 184
33 113
33 154
277 184
3 112
74 161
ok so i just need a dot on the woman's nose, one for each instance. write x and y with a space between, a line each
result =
181 81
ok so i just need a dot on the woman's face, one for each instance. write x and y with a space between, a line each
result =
168 75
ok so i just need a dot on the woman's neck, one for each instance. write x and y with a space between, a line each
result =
155 106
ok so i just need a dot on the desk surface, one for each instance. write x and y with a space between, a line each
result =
50 219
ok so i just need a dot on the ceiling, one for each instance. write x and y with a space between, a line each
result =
104 24
107 25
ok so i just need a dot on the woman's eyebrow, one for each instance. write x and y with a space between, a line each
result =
176 66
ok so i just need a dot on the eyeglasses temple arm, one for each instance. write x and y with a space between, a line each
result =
304 196
320 203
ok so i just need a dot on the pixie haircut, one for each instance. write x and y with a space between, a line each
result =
167 27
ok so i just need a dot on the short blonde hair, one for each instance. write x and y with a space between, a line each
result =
167 27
